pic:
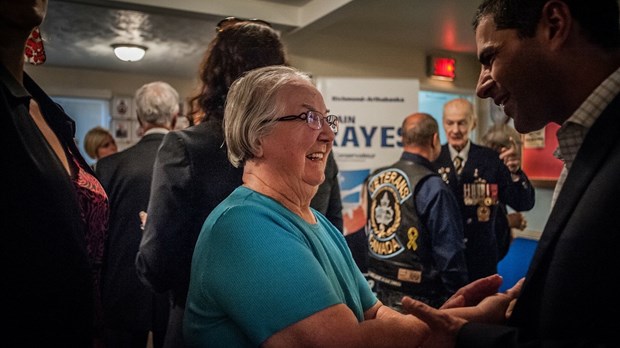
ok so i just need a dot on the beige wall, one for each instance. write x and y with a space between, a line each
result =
326 56
316 55
58 81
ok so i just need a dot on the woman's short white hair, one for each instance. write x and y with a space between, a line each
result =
252 106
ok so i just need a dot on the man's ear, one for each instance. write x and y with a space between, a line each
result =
555 23
435 142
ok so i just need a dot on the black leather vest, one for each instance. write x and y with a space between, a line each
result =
398 243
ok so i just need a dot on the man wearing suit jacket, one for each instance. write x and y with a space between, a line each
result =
557 61
131 309
482 180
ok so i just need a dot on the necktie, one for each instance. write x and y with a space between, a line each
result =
458 164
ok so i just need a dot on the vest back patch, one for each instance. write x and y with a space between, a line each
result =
387 190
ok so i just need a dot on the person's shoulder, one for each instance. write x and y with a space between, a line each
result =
204 135
241 211
482 149
245 201
433 182
444 156
484 153
378 170
110 161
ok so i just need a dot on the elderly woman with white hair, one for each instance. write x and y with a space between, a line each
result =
268 270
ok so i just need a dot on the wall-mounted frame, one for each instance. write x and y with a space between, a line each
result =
538 162
121 130
122 108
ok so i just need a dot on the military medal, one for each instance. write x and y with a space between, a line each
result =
484 213
482 194
488 201
444 171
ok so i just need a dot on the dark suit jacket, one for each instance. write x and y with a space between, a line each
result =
570 296
191 176
47 288
126 177
482 250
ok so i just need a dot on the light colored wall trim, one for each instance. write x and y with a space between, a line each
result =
527 234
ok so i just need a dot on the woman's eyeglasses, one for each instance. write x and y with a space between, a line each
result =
229 21
314 120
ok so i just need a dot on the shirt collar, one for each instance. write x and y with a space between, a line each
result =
573 131
415 158
156 130
13 86
463 153
597 101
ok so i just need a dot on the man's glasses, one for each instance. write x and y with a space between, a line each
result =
314 120
229 21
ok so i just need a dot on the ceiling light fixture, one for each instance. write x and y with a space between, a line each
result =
129 52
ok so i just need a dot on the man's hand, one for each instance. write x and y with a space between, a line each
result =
142 216
474 292
446 323
494 309
444 326
517 220
510 156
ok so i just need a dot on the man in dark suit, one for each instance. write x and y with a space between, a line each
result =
131 309
482 181
556 61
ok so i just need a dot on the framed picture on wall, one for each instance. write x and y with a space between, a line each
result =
538 161
122 107
121 130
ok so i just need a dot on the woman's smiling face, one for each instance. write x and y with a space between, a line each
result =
297 151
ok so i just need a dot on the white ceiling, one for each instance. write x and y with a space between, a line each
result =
78 33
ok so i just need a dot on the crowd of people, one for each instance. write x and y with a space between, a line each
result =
229 232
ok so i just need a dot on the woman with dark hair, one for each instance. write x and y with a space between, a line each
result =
192 174
234 50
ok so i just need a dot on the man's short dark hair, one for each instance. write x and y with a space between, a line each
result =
598 19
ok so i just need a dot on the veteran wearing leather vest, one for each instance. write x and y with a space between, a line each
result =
415 234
